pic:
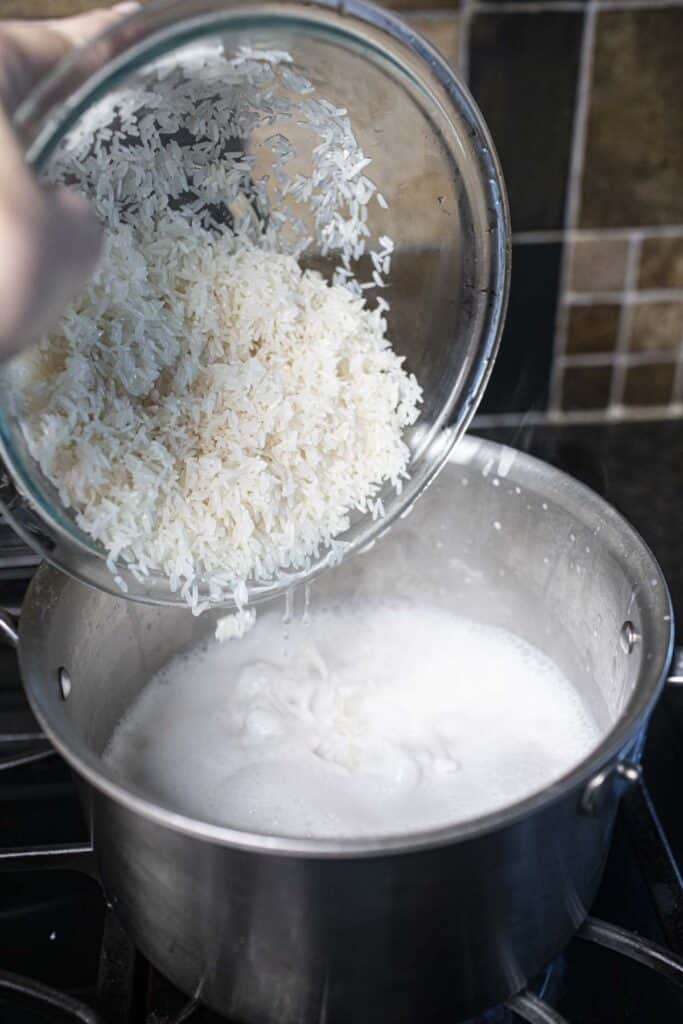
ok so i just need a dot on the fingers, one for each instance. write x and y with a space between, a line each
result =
50 242
11 153
49 245
83 27
26 54
50 239
30 49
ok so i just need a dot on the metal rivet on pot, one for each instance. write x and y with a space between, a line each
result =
625 773
64 683
628 637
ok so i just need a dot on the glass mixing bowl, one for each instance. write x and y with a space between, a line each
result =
446 212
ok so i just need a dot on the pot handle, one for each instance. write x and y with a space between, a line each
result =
625 773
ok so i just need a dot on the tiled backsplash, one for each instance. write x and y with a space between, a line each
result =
584 99
585 103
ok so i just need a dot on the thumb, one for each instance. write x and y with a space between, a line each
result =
71 243
74 233
50 242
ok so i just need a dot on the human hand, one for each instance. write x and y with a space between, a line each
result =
50 239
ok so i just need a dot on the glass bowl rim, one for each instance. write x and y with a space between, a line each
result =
55 520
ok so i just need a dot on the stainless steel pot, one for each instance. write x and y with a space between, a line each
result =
428 927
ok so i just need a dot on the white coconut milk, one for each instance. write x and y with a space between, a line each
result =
372 719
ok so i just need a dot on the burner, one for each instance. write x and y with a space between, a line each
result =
25 1000
571 991
17 560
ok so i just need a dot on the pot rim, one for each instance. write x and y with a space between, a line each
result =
657 626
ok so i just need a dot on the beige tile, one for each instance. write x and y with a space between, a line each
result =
421 5
598 265
634 148
586 387
593 328
441 30
47 8
656 327
649 385
661 263
59 8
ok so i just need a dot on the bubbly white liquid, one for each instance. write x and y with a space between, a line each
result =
374 719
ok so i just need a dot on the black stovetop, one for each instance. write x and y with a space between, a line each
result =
56 929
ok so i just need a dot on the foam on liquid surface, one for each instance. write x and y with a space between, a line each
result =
372 719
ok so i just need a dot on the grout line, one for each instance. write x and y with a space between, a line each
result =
587 359
627 5
550 6
579 416
452 16
596 234
627 297
623 360
537 237
625 321
507 419
528 6
464 40
573 197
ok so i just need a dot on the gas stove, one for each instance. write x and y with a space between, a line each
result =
65 958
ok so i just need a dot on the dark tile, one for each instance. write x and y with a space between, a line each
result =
649 385
523 71
656 327
634 151
661 263
521 376
598 264
592 328
586 387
